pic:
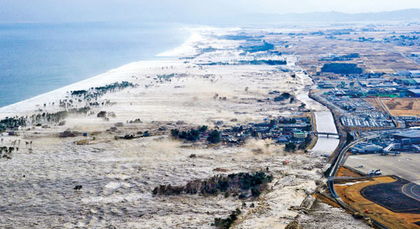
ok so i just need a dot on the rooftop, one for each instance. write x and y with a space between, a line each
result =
409 134
415 91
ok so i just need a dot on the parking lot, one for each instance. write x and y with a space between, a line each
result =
404 165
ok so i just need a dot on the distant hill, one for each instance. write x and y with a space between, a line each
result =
412 15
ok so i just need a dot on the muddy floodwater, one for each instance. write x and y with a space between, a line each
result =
325 124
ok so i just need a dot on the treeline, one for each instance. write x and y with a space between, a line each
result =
226 223
248 62
262 62
96 92
43 118
242 37
346 57
265 46
283 96
193 135
242 185
11 123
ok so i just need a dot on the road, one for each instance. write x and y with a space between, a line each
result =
412 190
339 160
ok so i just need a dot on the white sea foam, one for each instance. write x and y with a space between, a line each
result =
118 74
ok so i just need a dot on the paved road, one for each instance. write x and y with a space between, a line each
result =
412 190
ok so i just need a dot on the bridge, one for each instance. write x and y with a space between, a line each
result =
326 133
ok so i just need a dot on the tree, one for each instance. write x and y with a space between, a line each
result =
214 137
175 133
290 147
203 129
349 138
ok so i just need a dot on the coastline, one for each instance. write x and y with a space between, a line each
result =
110 76
323 146
119 74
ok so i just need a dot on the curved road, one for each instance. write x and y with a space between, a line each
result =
339 160
411 190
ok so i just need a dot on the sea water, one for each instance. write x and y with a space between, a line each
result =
36 58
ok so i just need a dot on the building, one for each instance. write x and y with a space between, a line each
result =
414 73
365 148
411 137
414 93
300 135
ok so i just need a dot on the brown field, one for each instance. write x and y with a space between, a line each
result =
346 172
403 106
326 199
351 195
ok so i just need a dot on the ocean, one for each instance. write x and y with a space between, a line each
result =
36 58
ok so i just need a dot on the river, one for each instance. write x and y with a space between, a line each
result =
325 123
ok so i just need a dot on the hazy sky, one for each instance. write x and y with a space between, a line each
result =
103 10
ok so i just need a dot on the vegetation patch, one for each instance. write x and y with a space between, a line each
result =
242 185
265 46
239 37
12 123
194 135
96 92
347 57
226 223
282 97
341 68
263 62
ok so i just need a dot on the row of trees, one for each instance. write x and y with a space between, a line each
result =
95 92
243 185
12 123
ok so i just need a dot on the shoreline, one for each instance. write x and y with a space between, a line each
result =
60 93
168 56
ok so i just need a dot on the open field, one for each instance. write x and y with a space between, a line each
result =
404 165
403 106
346 172
351 194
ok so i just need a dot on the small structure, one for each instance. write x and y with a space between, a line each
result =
300 135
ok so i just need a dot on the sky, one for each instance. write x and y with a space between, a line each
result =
120 10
